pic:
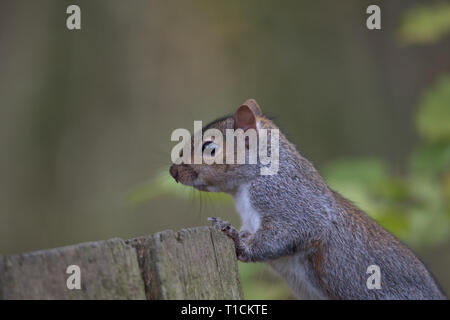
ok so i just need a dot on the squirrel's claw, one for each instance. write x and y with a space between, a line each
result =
224 226
231 232
242 258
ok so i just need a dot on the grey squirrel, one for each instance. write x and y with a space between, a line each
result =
318 241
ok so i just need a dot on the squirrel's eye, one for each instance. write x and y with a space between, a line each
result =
209 148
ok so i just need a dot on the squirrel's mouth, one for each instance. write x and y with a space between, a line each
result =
189 177
206 187
184 174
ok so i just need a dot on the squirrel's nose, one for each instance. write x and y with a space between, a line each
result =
174 172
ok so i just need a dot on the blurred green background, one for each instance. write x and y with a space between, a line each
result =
86 116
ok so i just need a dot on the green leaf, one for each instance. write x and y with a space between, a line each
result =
396 221
433 116
425 24
366 171
430 159
393 189
164 185
356 179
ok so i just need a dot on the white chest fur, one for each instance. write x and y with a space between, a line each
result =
292 268
251 219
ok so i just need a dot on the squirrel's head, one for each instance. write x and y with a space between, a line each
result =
218 169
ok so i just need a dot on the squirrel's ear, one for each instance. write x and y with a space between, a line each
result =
253 105
245 116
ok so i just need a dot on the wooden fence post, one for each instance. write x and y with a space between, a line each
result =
196 263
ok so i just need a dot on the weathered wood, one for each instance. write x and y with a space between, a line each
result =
109 270
197 263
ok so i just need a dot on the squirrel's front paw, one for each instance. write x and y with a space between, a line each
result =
242 258
230 231
226 227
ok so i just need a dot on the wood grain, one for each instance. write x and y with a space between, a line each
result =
195 263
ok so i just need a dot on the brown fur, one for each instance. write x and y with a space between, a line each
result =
318 241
